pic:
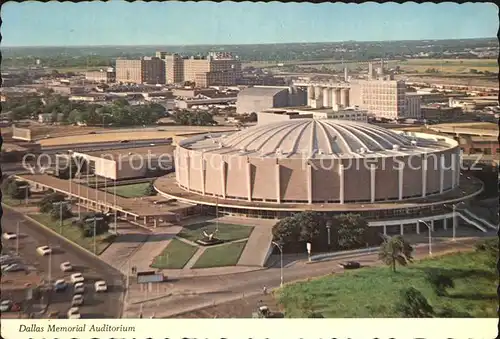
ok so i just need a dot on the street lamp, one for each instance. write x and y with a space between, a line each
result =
308 246
95 219
328 228
430 235
454 207
60 204
280 247
17 236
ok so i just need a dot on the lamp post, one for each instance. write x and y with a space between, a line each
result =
454 228
17 236
430 235
95 219
328 228
280 247
60 204
308 246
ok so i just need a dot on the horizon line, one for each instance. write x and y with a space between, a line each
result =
237 44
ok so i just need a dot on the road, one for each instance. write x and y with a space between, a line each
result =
102 305
193 293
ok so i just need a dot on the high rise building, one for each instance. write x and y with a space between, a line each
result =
218 68
382 97
147 70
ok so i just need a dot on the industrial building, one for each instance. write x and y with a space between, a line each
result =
105 76
276 114
259 98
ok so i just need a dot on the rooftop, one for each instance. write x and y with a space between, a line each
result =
153 150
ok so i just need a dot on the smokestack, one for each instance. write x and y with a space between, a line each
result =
345 74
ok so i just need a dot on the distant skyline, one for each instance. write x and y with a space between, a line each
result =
177 23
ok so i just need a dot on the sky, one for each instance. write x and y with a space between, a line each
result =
190 23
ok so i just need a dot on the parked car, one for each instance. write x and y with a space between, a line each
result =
44 250
9 235
100 286
74 313
77 300
60 285
5 305
66 266
16 267
77 277
78 288
350 265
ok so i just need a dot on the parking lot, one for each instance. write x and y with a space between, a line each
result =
37 269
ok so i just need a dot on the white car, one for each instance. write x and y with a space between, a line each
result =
60 285
5 305
74 313
79 288
66 266
76 278
100 286
77 300
9 235
44 250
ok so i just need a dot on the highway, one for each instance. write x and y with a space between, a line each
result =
194 293
102 305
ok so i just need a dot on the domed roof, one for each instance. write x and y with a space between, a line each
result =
316 137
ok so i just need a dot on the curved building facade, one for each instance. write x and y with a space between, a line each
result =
308 161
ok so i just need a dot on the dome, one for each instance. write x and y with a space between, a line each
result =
317 137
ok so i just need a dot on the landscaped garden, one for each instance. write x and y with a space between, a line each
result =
222 255
132 190
74 233
453 285
226 232
175 255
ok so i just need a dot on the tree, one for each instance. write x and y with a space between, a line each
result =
395 250
61 211
150 190
45 205
17 189
299 228
352 230
440 282
413 304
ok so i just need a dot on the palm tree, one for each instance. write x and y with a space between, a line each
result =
395 250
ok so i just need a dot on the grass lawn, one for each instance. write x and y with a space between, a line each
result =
227 232
223 255
175 255
74 234
11 202
372 292
130 191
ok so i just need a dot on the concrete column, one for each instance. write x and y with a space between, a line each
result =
458 170
309 184
317 92
202 173
310 92
341 183
445 226
223 177
441 174
401 229
432 225
278 183
424 176
372 183
249 181
385 230
400 182
335 96
155 222
188 172
145 221
453 172
418 227
327 97
344 97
